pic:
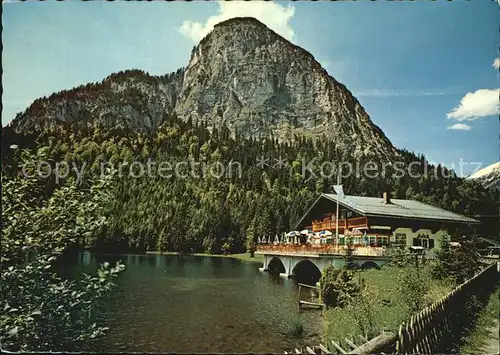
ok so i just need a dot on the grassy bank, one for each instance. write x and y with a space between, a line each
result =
382 307
484 338
242 256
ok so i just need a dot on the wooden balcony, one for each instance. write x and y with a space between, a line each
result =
356 222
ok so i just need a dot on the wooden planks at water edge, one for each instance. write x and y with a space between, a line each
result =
311 304
307 303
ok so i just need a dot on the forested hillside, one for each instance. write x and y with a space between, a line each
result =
247 101
205 212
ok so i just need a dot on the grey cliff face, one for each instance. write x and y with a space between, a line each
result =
258 83
242 74
130 99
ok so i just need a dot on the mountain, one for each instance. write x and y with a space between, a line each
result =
248 76
129 99
489 177
242 75
242 80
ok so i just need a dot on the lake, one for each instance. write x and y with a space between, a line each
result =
167 303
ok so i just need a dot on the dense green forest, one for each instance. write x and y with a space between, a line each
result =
203 212
107 203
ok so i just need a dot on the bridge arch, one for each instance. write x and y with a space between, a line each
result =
306 271
276 266
287 265
369 265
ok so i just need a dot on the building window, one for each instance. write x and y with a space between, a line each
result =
372 241
383 240
431 243
401 238
417 242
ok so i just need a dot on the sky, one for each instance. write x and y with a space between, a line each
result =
427 73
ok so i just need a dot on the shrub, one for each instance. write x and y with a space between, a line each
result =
363 308
457 264
42 311
296 327
413 286
399 257
51 312
337 286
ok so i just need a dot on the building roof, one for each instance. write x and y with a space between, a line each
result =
492 242
375 206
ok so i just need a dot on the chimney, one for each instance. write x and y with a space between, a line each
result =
387 197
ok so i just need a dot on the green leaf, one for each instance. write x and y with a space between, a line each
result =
14 331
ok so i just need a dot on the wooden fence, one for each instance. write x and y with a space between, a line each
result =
438 327
384 343
435 329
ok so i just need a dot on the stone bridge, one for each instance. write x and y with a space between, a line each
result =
287 264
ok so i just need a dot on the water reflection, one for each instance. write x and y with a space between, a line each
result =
198 304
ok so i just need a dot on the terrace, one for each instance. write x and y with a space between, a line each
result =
306 249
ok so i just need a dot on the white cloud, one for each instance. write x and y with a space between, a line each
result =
480 103
496 63
273 15
460 127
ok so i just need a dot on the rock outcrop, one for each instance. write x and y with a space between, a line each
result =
257 82
243 75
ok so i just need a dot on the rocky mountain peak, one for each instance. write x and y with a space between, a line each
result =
243 75
252 30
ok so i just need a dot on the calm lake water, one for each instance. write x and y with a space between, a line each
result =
198 304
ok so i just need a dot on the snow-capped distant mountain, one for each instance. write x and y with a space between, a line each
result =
489 177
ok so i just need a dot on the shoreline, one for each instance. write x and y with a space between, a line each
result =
241 256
